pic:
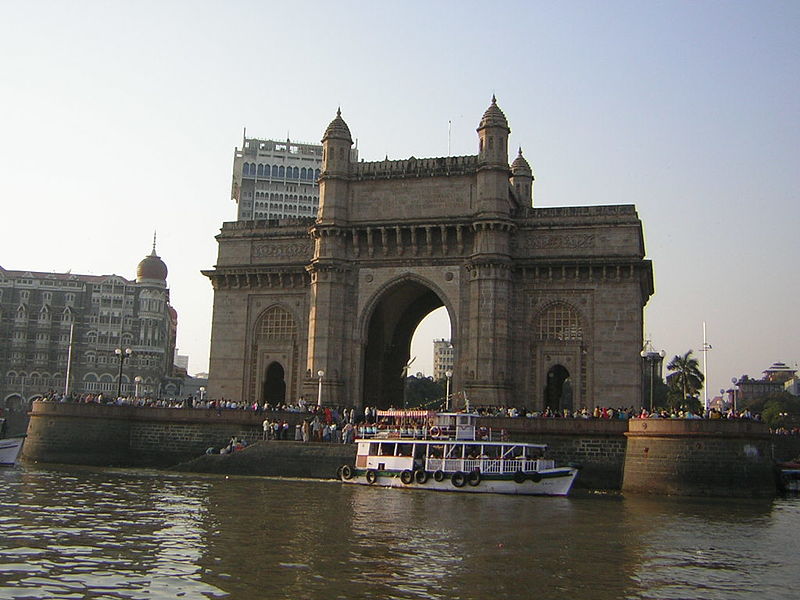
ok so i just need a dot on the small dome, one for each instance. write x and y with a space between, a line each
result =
152 267
520 166
338 129
494 117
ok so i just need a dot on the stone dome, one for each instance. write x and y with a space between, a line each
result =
151 267
338 129
520 166
494 117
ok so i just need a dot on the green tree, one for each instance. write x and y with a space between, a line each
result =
423 392
685 377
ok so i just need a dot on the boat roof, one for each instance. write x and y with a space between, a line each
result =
406 413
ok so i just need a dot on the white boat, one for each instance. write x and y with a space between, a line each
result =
9 449
453 455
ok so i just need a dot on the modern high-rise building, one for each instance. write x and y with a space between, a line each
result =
90 325
442 358
276 179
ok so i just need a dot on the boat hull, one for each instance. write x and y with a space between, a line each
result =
555 482
9 450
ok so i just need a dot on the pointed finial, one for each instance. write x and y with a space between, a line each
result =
494 100
153 253
520 150
338 111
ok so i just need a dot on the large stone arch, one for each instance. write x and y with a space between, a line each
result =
386 325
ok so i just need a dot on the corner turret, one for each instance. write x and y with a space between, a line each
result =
336 147
493 134
333 182
522 179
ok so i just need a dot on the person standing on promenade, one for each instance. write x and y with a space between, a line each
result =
265 425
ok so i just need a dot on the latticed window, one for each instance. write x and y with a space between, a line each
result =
559 322
277 324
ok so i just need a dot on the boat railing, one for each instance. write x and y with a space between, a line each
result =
430 433
488 465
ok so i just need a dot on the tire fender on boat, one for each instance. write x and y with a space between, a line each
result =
372 476
474 478
407 477
346 471
421 476
435 431
519 477
459 478
438 475
536 477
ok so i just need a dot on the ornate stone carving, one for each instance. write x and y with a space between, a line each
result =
282 250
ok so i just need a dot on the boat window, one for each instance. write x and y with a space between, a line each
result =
435 451
472 451
491 451
404 449
455 451
386 449
374 449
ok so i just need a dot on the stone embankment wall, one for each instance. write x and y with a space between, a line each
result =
597 445
699 458
680 457
786 447
100 435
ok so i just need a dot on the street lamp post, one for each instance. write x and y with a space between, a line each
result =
734 381
138 380
652 358
122 355
320 374
202 393
447 374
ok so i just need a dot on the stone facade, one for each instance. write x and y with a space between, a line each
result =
545 304
49 321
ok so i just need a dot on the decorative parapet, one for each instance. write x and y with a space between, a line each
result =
556 216
416 167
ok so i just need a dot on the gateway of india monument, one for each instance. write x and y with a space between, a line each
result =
545 304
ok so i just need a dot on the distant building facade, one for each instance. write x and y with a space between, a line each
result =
442 359
545 304
41 312
774 381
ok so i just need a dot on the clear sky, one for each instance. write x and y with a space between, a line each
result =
121 118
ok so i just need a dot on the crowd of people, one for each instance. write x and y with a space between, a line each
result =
342 424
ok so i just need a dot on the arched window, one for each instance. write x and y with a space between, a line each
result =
274 170
276 324
303 173
260 171
295 173
316 174
559 322
281 171
266 170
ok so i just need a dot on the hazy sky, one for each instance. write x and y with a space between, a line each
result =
120 118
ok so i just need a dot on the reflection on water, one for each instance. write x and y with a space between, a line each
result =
77 533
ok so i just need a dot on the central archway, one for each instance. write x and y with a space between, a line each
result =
394 318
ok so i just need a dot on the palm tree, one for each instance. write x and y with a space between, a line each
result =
686 374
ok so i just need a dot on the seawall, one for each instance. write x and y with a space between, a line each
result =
92 434
659 456
699 458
